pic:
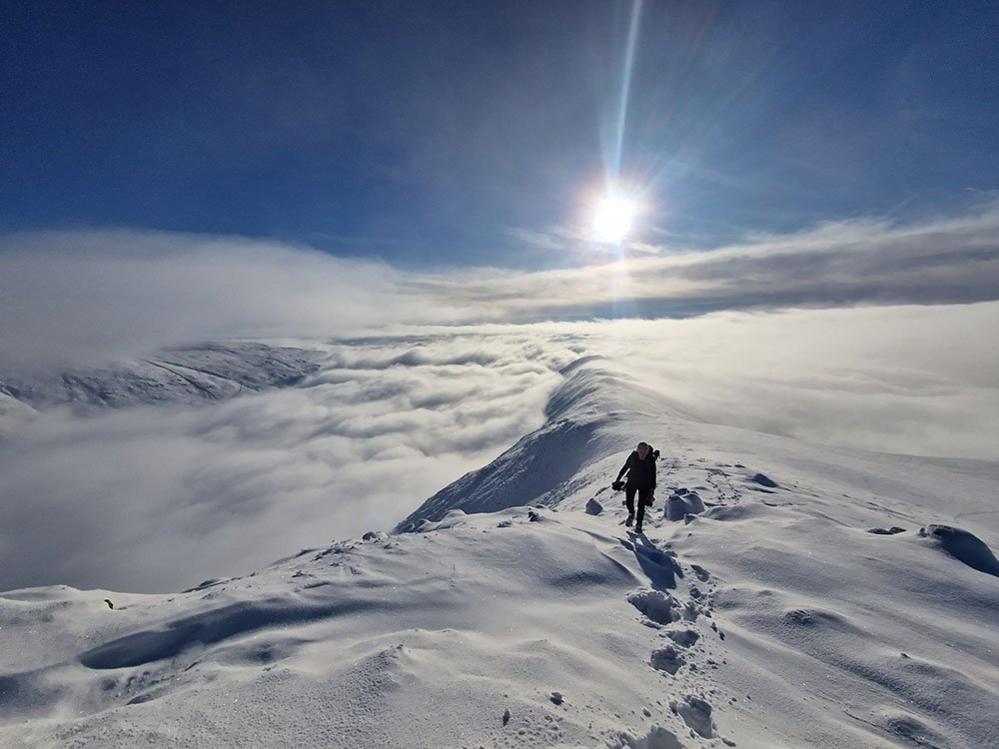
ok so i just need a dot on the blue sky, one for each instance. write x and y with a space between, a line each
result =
438 134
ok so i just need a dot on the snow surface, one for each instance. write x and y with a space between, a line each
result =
188 375
774 618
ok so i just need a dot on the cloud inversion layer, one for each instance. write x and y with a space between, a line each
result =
427 377
153 498
73 296
156 499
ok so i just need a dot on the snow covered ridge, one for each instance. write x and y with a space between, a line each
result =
809 597
188 375
582 416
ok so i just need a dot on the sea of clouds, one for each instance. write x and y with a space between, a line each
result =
429 375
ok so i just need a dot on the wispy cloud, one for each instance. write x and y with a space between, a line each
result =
866 261
71 296
538 240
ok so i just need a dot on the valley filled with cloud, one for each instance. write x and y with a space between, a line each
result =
422 377
569 374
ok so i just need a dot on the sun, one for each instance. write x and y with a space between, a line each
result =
613 218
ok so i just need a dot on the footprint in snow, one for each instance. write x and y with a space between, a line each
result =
696 713
702 574
667 659
657 606
685 638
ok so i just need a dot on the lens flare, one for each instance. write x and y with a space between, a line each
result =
613 218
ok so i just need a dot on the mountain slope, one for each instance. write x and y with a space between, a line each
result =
209 372
583 424
774 618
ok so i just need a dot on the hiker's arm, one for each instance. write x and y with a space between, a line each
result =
653 475
624 468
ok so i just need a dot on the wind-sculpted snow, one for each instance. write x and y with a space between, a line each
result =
774 618
964 546
314 650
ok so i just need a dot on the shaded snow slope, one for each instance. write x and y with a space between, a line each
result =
188 375
774 618
584 417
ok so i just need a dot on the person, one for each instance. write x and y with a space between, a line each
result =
641 469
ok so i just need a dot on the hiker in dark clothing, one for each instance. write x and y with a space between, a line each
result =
641 469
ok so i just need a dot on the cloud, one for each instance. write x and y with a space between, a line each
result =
159 498
428 375
538 240
68 297
88 296
865 261
909 379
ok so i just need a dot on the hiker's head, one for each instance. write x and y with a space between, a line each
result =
643 450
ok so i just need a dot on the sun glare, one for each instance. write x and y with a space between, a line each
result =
613 218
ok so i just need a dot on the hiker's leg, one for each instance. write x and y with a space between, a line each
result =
643 497
629 499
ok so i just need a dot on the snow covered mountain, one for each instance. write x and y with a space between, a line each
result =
784 595
188 375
